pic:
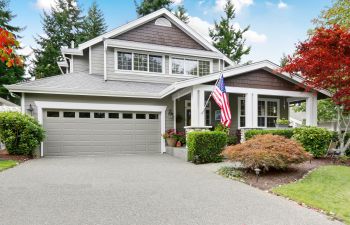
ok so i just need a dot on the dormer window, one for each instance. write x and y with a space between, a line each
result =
139 62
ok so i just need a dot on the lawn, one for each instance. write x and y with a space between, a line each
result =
326 188
5 164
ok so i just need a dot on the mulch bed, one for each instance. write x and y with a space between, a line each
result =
273 179
19 158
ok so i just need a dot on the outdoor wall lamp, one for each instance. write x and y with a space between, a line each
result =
170 114
30 109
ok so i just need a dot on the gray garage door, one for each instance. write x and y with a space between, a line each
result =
93 132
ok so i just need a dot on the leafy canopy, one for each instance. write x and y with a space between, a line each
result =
228 39
338 14
149 6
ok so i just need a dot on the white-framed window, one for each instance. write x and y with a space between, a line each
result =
139 62
207 115
186 66
268 112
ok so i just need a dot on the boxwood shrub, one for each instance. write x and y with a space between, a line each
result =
314 139
287 133
206 146
20 133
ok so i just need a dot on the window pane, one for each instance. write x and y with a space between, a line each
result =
191 67
271 122
272 108
207 117
127 115
84 114
155 64
261 121
261 108
177 66
113 115
124 61
153 116
99 115
204 68
242 121
69 114
140 116
53 114
140 62
242 107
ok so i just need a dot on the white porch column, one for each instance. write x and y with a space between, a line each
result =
194 107
249 110
201 109
174 113
311 111
254 110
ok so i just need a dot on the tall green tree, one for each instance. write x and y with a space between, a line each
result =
94 24
149 6
181 13
9 75
338 13
62 25
226 38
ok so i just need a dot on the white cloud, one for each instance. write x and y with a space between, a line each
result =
178 2
202 27
282 5
45 4
239 4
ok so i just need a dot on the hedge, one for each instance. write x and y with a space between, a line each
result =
288 133
314 139
206 146
20 133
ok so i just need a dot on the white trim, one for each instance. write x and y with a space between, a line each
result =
187 108
23 105
161 49
90 61
42 105
105 61
174 113
72 51
163 22
181 93
71 68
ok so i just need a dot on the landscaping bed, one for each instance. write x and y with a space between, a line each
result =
19 158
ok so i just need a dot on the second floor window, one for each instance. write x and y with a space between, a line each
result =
139 62
190 67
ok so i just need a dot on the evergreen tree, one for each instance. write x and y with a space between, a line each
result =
226 38
149 6
181 13
9 75
61 26
94 24
283 60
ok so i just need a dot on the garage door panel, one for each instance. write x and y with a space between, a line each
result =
89 136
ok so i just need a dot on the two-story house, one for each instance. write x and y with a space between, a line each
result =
118 92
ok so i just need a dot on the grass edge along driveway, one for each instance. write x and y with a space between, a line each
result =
326 188
6 164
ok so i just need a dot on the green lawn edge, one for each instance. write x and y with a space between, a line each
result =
326 188
7 164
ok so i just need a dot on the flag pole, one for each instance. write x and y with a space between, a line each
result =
206 103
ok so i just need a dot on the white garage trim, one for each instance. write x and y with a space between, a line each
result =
41 105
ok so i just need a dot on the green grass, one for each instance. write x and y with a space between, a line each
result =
7 164
327 188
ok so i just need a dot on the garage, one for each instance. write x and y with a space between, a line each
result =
88 132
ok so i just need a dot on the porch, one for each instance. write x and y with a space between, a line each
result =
251 108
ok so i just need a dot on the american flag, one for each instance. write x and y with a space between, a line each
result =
220 97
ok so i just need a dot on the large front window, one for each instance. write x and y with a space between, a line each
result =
139 62
183 66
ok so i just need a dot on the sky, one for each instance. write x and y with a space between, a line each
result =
275 25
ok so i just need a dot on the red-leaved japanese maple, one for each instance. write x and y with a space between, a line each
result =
324 62
8 45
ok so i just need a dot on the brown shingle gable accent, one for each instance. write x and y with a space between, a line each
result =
261 79
161 35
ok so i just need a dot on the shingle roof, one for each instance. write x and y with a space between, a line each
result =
83 83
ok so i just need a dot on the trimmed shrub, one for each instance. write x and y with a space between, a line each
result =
266 152
20 133
314 139
205 146
287 133
232 139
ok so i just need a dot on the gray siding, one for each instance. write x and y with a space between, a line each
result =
97 58
81 63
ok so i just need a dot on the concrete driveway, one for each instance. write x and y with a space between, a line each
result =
137 189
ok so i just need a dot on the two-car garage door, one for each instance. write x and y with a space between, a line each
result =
74 132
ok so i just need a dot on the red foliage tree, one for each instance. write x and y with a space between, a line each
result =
8 45
324 62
